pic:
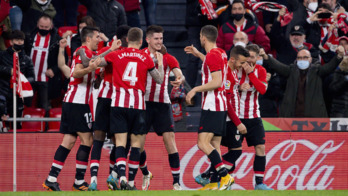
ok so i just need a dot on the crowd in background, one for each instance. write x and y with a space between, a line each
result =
318 26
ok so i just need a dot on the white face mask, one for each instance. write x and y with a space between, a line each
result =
42 2
302 64
240 44
313 6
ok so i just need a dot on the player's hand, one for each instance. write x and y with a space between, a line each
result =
190 96
159 58
103 37
179 80
244 87
94 63
67 34
49 73
116 44
248 68
268 76
242 129
263 54
63 43
192 50
340 51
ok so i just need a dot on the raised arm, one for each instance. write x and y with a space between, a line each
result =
158 74
61 59
193 50
275 65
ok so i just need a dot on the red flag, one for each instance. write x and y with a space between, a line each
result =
24 88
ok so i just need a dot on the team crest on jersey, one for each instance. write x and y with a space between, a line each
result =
90 125
227 85
237 137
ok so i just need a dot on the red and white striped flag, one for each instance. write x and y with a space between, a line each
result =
24 88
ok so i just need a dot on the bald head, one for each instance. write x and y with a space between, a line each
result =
240 36
304 55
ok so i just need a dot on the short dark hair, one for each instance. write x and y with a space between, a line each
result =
122 31
44 15
238 1
154 29
254 48
239 50
17 34
210 32
88 32
88 20
135 34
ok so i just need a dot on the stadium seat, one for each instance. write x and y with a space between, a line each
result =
34 113
54 113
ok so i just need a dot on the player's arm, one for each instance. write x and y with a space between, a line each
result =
233 116
85 60
213 84
80 70
61 59
260 82
193 50
158 74
179 77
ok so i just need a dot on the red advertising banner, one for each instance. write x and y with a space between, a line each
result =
295 160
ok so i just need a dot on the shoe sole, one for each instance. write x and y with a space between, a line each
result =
111 187
46 187
75 189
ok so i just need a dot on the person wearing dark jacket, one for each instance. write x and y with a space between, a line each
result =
339 90
303 95
6 71
76 39
42 46
108 14
238 22
32 11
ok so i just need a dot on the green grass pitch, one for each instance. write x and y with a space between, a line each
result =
183 193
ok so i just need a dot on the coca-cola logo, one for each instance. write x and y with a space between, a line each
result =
291 164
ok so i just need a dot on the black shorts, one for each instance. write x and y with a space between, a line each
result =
159 116
75 118
102 115
127 120
213 122
256 132
232 139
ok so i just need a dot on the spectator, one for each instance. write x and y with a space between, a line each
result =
16 16
76 39
239 38
339 89
150 11
132 8
335 6
32 11
239 22
43 45
6 70
287 48
108 14
5 26
303 95
66 12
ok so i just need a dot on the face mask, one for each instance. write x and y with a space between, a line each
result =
313 6
44 32
259 62
42 3
237 17
240 44
302 64
18 47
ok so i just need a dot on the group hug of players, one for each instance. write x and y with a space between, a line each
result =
133 97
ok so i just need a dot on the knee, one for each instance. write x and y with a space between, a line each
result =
68 142
87 140
200 145
168 138
99 135
260 150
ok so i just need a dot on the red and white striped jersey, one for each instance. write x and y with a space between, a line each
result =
80 89
130 67
232 87
249 102
39 56
215 60
159 92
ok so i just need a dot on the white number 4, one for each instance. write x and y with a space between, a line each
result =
130 74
